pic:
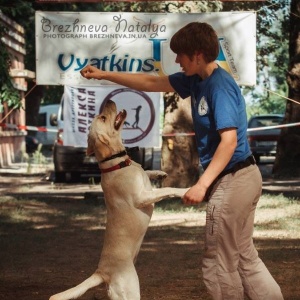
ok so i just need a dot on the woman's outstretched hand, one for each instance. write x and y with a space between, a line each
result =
90 72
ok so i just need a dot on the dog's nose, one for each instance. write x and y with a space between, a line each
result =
108 104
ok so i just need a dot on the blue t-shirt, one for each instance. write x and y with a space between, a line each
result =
217 103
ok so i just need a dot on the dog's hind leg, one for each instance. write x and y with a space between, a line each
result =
80 289
124 285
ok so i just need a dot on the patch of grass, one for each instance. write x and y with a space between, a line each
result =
277 216
25 211
275 201
175 205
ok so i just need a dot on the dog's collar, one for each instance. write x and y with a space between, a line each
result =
120 154
120 165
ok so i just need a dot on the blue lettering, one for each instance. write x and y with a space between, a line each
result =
148 65
100 63
114 64
133 62
60 62
157 48
80 65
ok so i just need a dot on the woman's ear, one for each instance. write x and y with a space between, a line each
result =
198 57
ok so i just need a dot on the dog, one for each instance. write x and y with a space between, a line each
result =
129 200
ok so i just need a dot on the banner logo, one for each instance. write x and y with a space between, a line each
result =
137 125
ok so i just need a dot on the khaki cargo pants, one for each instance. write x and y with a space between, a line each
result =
231 266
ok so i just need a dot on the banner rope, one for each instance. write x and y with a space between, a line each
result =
6 116
287 98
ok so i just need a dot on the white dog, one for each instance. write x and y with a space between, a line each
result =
129 200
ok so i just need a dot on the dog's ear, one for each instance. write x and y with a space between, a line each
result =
90 147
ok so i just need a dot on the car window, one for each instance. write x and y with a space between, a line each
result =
267 121
42 119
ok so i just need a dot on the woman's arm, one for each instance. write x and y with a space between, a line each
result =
141 82
218 163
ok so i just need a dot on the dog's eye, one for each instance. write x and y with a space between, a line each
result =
103 118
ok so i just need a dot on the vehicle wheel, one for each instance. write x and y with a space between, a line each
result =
257 158
72 177
60 177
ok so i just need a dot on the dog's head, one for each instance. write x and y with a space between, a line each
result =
104 138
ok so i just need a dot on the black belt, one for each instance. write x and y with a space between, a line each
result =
238 166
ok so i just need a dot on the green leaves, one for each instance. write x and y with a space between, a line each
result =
9 95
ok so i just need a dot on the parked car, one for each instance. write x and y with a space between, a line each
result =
72 164
264 142
46 114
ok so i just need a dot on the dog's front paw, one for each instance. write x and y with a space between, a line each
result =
156 175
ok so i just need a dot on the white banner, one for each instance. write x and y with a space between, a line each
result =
134 42
82 104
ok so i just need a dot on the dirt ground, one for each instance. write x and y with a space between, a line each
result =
51 238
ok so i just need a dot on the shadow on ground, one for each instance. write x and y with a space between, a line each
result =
50 244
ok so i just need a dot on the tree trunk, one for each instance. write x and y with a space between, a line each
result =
179 153
32 105
287 163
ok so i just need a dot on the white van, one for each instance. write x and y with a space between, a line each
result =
45 119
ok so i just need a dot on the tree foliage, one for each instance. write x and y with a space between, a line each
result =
8 93
287 163
272 55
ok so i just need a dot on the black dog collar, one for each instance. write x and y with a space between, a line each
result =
120 154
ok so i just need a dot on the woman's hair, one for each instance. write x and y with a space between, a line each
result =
196 37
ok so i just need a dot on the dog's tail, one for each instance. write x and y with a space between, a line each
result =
80 289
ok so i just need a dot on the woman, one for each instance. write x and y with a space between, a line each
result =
231 180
